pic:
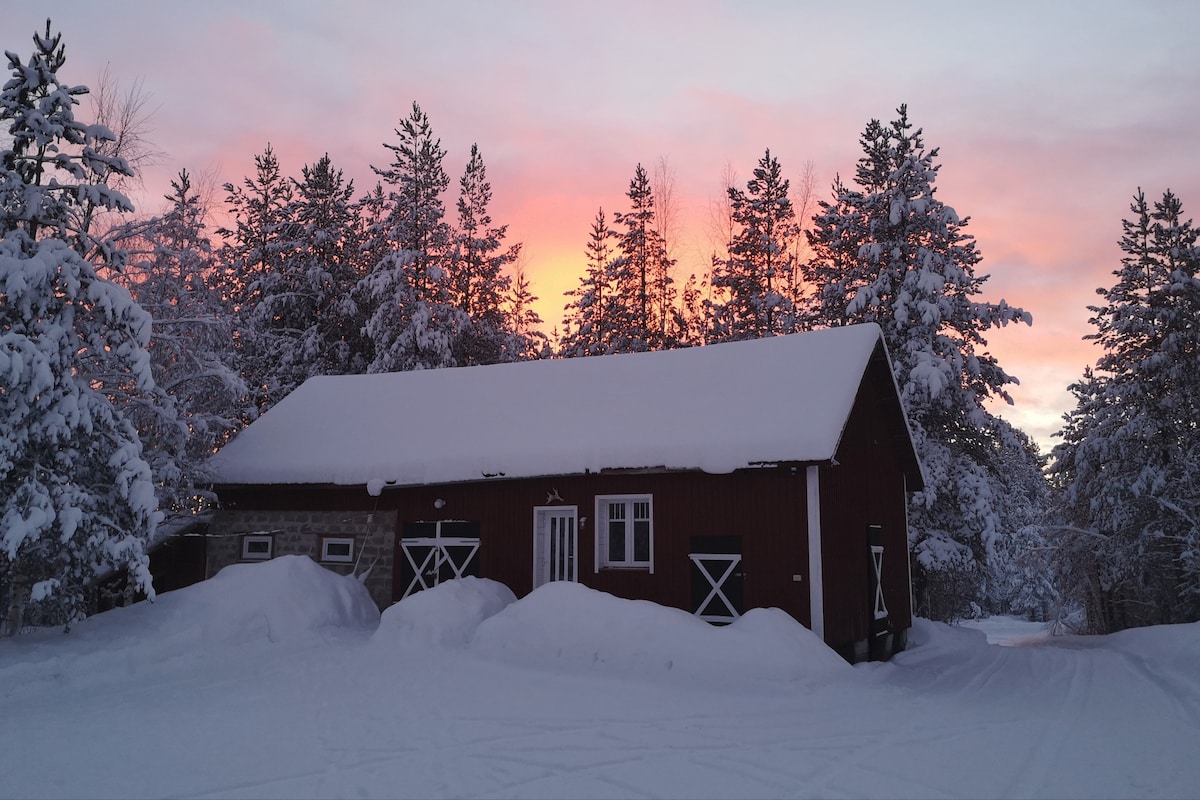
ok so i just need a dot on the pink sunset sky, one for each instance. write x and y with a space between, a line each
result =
1048 116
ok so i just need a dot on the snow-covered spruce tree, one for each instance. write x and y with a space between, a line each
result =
76 497
1129 465
479 283
1020 578
250 260
891 252
586 331
171 275
292 265
316 326
412 322
753 289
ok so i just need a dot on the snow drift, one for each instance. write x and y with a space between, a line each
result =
445 616
568 625
271 676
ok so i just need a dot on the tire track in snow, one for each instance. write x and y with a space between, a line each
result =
1181 702
1046 751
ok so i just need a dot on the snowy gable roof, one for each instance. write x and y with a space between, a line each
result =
716 408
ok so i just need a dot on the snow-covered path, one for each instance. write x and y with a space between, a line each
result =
1067 717
129 709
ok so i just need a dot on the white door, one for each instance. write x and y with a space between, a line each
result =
555 544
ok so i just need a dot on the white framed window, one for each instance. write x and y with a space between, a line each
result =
337 549
625 531
257 546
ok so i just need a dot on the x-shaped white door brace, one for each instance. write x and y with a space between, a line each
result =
439 554
732 559
881 611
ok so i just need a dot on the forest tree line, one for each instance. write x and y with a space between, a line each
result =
133 348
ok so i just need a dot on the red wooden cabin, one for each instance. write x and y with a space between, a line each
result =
762 473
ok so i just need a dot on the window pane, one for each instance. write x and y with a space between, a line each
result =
338 549
641 540
616 540
641 510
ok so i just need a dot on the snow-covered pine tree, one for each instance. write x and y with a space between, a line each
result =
412 322
891 252
532 343
754 291
479 283
692 326
171 275
640 305
1129 465
251 259
586 331
77 498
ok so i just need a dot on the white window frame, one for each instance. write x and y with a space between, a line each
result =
602 520
257 538
330 558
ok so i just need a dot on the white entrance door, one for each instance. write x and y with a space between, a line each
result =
555 544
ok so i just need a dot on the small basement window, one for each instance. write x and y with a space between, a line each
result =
338 549
257 547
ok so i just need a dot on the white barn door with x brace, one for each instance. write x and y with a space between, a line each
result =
717 577
555 544
439 551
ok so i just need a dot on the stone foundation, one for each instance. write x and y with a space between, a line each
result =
300 533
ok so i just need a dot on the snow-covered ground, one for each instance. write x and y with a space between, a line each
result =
279 679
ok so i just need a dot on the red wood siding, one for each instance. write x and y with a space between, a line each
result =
766 507
865 487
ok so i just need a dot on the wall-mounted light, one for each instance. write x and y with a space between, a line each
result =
439 503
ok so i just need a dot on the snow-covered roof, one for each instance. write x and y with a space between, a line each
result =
716 408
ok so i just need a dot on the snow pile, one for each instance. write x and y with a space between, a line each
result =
446 615
939 635
568 625
290 599
1162 643
285 598
931 643
1010 631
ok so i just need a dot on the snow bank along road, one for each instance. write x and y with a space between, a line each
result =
281 681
